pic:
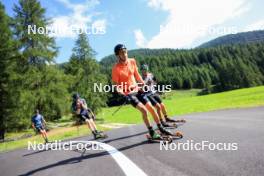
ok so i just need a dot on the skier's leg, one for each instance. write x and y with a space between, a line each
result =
164 111
152 111
144 113
159 111
156 105
43 134
90 124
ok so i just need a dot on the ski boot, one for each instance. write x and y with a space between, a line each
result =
166 132
99 135
155 137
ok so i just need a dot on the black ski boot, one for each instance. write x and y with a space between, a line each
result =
164 131
164 124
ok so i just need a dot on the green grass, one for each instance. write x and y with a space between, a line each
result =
56 134
186 102
18 134
250 97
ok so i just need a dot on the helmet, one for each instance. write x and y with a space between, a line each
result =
145 67
118 47
75 96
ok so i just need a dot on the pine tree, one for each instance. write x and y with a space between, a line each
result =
86 72
7 51
39 83
37 49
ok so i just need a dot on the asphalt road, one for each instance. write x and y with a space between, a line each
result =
241 128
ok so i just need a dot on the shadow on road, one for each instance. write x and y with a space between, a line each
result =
105 141
80 158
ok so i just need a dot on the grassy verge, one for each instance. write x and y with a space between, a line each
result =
185 102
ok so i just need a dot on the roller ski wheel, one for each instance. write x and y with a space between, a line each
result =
178 134
160 139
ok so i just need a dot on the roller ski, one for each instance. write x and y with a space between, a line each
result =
169 125
170 120
155 137
164 132
100 135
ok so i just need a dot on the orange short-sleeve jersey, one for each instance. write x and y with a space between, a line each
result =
124 74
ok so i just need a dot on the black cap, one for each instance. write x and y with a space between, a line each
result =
118 47
75 96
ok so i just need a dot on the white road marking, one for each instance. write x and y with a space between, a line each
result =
128 166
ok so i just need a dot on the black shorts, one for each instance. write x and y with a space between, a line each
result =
137 98
154 99
39 128
85 115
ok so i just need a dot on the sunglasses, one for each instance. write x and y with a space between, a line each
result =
124 50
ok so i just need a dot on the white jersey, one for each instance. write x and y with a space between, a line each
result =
149 80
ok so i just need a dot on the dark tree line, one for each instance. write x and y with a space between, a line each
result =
243 37
223 68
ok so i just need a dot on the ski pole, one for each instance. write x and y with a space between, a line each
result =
118 108
77 125
78 129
